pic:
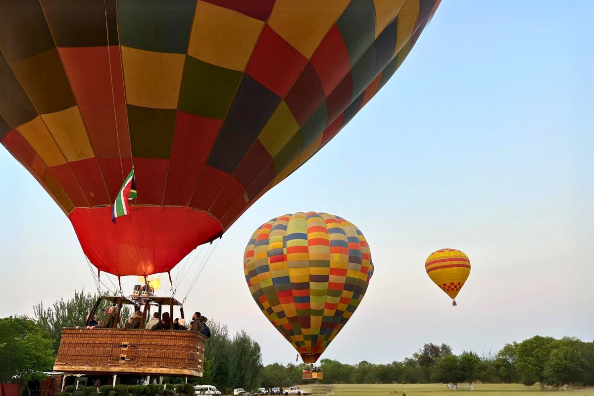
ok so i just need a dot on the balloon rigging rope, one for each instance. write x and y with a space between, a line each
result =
201 268
180 270
95 278
186 270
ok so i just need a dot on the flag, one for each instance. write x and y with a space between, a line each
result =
127 193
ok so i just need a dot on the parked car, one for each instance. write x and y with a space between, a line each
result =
206 390
239 391
276 391
262 391
296 391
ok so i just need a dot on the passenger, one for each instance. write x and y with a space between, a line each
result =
205 328
108 320
164 323
179 324
154 320
93 321
135 322
196 324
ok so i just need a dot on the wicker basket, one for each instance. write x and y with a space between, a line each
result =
127 351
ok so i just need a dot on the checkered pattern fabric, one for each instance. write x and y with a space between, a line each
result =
448 269
308 273
213 102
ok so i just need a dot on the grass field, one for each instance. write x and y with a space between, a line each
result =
441 390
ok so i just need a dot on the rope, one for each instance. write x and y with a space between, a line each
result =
214 246
189 268
95 278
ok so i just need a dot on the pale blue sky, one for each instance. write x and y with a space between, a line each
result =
481 141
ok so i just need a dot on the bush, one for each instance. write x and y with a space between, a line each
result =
168 392
69 389
185 389
160 389
105 389
121 390
153 389
90 390
62 394
112 393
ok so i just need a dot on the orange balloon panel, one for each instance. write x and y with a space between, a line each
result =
448 269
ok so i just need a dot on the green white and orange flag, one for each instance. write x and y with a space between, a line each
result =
127 193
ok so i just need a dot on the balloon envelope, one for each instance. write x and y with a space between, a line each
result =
308 273
448 269
213 103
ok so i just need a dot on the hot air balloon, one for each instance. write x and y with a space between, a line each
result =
308 273
448 269
211 102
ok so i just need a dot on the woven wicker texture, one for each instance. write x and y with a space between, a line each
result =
308 273
134 351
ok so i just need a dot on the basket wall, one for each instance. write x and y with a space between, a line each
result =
127 351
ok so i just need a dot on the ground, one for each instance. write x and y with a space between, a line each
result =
441 390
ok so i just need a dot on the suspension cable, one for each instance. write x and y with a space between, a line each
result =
205 261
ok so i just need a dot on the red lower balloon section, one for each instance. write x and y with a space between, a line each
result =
310 358
149 240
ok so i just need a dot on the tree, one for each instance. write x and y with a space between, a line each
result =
505 363
565 363
449 370
69 313
431 354
531 358
587 353
25 351
468 363
246 362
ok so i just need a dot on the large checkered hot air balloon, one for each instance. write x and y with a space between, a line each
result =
211 103
308 273
448 269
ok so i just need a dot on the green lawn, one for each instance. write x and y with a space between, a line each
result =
441 390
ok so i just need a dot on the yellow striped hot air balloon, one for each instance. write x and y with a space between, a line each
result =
448 269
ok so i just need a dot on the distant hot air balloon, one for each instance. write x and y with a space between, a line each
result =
308 273
212 102
448 269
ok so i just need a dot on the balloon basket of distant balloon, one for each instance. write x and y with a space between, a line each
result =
313 375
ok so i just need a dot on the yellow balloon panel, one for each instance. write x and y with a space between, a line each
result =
448 269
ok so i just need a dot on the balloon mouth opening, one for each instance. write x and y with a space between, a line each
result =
310 358
454 303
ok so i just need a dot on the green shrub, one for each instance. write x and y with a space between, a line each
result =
153 389
111 393
168 392
121 390
90 390
160 389
69 389
105 389
62 394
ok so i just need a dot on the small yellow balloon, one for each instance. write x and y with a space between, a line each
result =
448 269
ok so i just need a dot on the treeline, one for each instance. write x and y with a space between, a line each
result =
231 362
28 347
543 360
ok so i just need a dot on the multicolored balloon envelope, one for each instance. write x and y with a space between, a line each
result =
308 273
212 102
448 269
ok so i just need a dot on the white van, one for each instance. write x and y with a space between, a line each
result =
206 390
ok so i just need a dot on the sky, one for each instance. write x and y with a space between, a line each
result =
482 141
